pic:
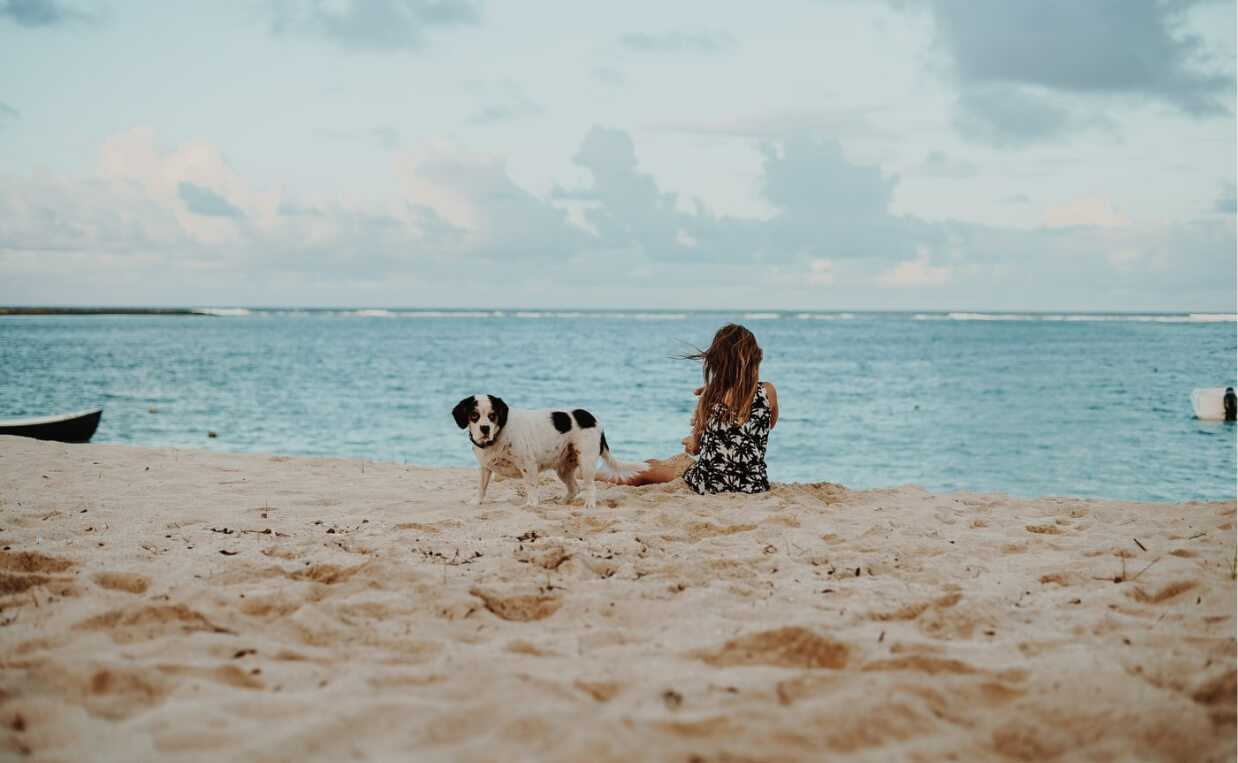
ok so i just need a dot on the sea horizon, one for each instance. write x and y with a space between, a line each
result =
1201 316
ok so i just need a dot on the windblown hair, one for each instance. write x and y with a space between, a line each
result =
730 366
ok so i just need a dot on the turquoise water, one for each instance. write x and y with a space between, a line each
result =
1032 405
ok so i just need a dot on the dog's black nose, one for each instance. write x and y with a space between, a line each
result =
485 430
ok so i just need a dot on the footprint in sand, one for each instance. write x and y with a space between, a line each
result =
1044 529
1064 579
116 693
130 582
912 611
547 557
519 607
32 561
790 647
1218 694
10 583
326 573
1164 594
143 623
270 607
602 691
19 572
230 675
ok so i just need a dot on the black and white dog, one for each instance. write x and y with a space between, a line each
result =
513 442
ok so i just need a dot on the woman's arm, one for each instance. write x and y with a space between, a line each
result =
692 443
772 394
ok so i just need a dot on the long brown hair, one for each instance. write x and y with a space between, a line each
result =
730 366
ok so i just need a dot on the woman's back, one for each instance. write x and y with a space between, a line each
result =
732 456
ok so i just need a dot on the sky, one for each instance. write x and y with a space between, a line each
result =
987 155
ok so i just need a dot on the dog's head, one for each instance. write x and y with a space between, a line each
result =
483 415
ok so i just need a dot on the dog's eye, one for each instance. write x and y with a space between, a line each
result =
474 416
493 416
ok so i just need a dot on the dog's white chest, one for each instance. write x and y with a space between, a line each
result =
500 462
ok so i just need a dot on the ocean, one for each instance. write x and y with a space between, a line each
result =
1032 405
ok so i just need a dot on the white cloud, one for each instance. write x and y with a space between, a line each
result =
1093 211
161 225
917 272
484 211
821 272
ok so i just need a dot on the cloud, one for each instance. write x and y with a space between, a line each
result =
503 101
379 25
829 206
387 138
825 207
205 202
677 42
463 203
503 112
917 272
1227 200
8 115
852 123
627 209
158 225
608 76
1169 268
941 164
1008 115
34 13
1093 211
1028 71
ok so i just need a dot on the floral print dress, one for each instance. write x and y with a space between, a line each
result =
732 458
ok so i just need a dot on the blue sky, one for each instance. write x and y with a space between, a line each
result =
825 154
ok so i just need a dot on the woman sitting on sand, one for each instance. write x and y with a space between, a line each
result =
730 426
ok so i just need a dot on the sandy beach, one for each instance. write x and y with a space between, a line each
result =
189 605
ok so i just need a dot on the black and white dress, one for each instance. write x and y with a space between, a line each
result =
732 458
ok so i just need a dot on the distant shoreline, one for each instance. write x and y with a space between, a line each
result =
96 311
508 312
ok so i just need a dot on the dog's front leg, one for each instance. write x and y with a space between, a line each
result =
483 481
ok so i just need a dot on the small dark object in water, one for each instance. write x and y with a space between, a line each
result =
1231 404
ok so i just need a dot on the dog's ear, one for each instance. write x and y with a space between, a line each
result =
499 407
462 410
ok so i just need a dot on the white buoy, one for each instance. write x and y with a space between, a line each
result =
1209 403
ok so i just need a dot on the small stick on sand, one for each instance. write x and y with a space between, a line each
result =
1137 574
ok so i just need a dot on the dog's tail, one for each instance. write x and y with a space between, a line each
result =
621 469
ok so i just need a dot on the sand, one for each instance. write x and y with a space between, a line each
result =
189 605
